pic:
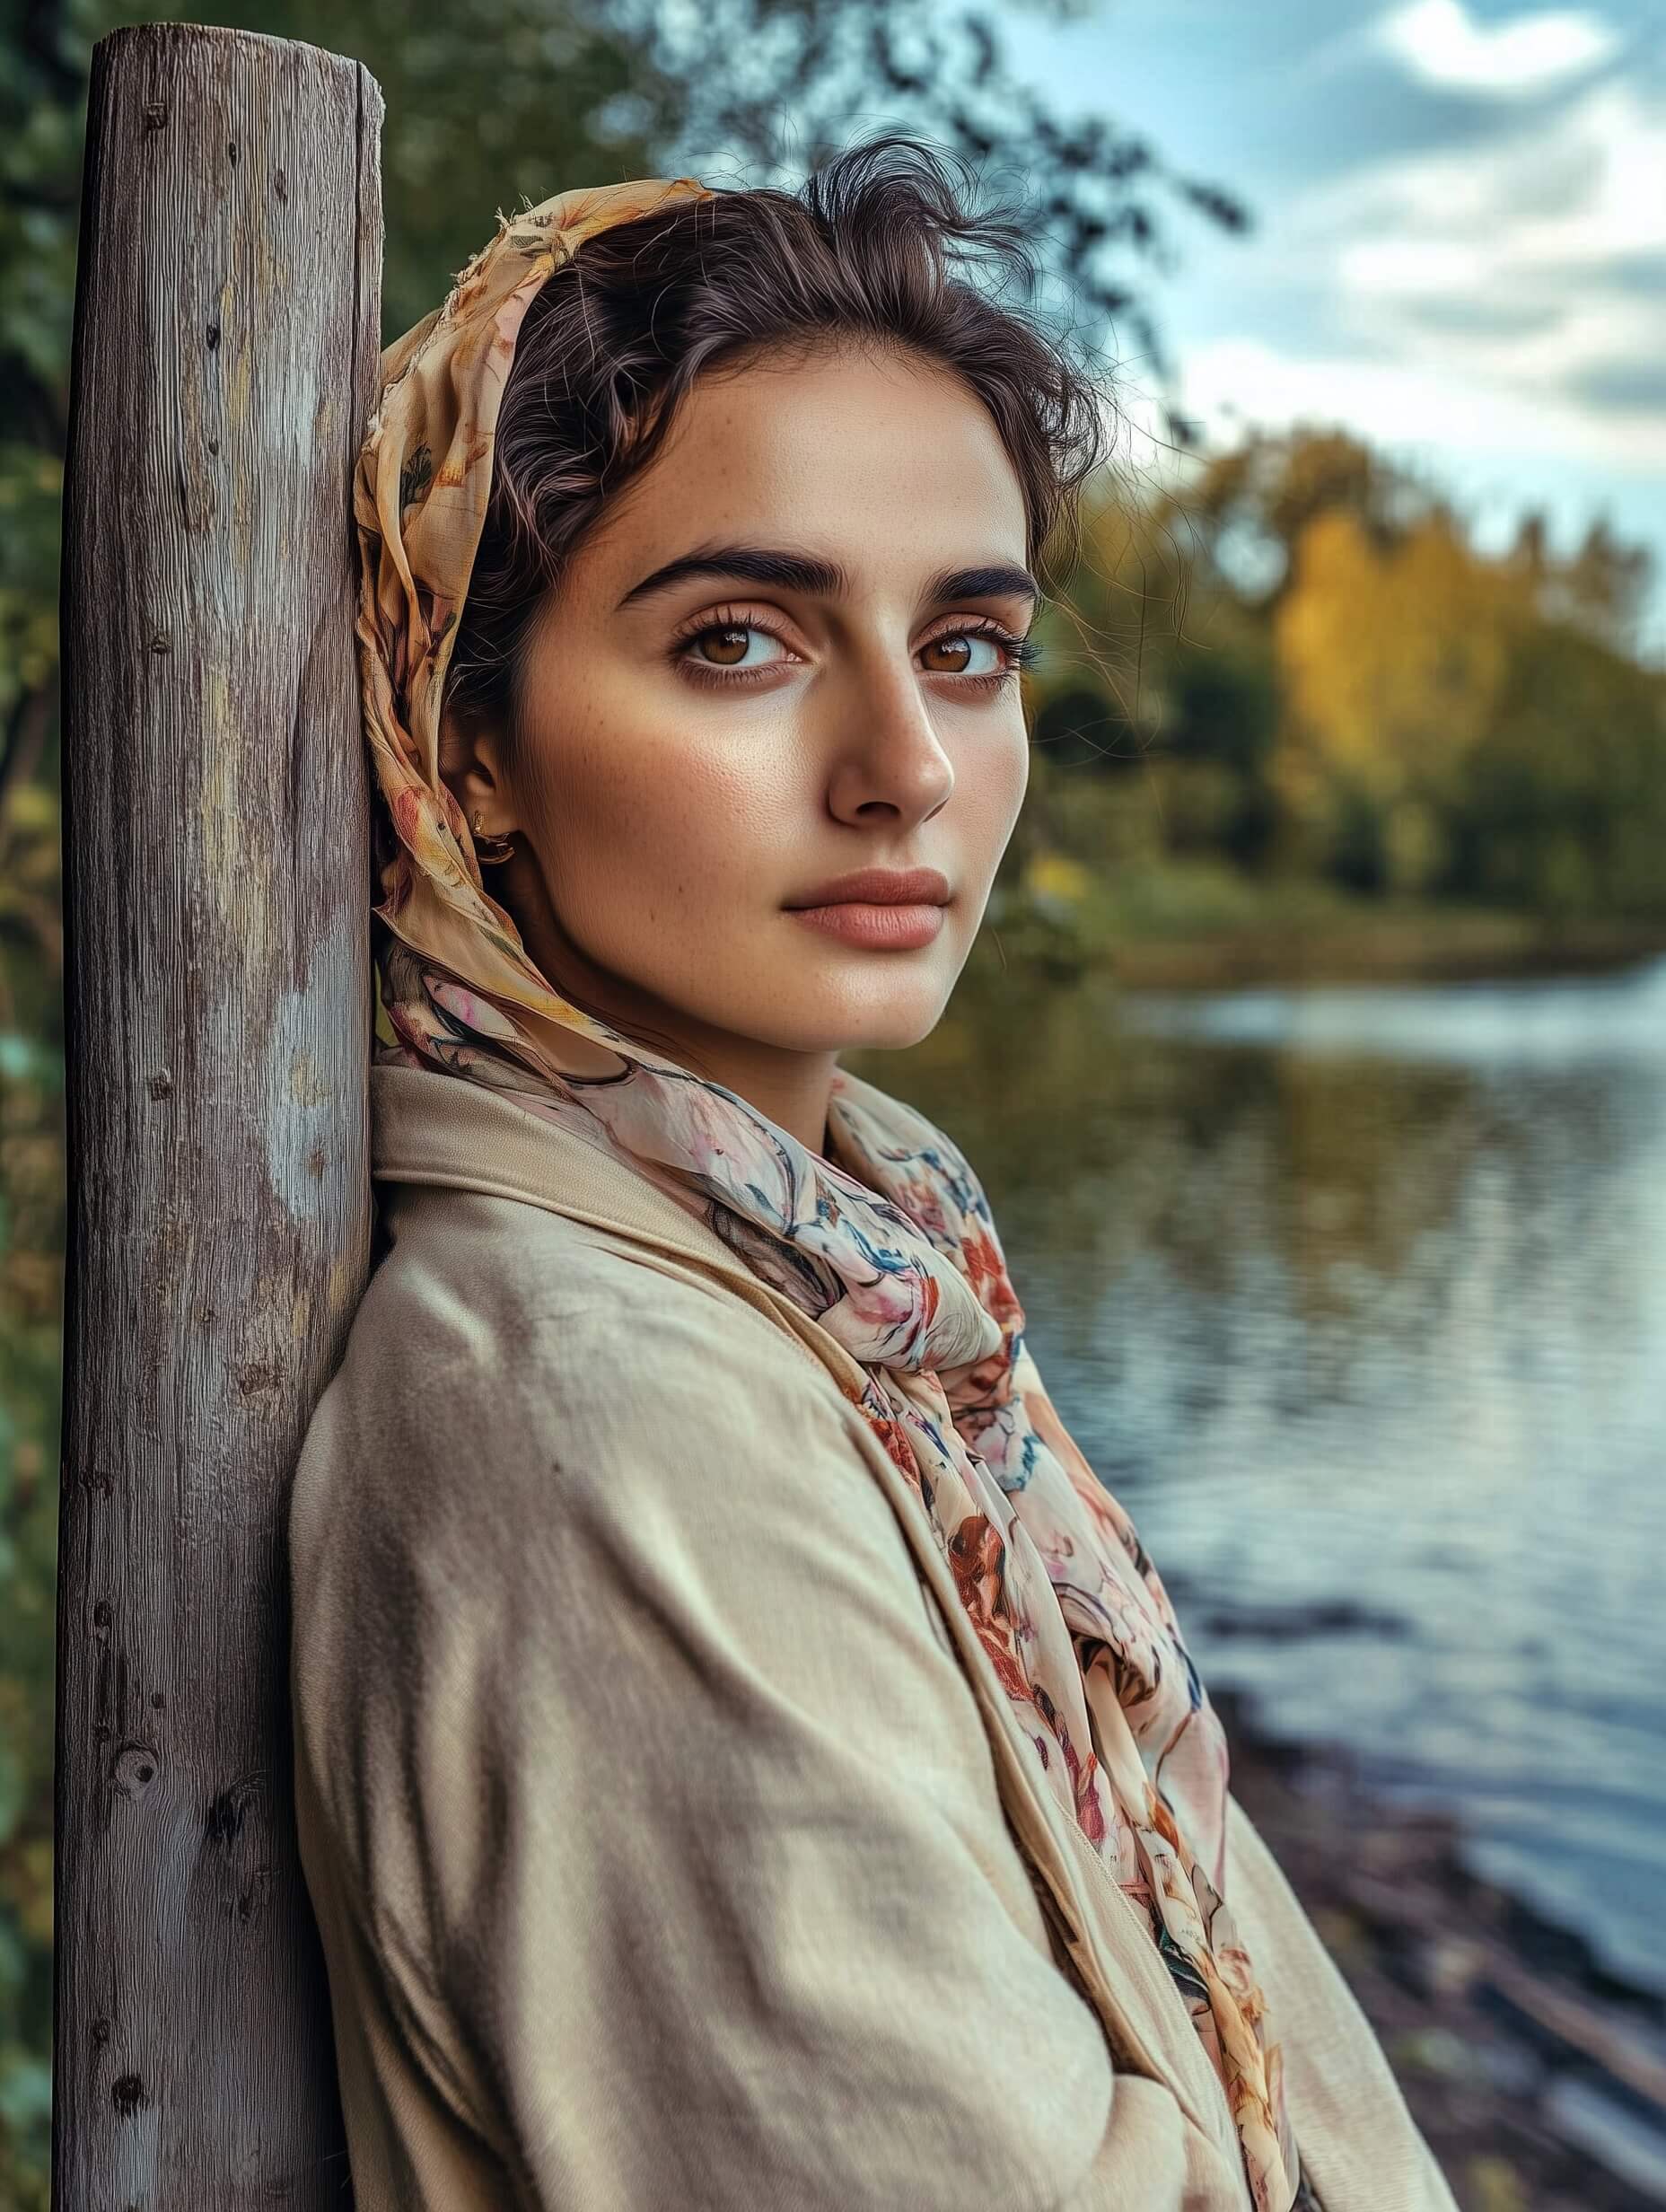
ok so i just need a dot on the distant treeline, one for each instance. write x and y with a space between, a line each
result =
1302 668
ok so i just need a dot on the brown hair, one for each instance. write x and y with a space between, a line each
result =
867 249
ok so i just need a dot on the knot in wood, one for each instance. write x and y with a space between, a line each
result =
128 2095
134 1768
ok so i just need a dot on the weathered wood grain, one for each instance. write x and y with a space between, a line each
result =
218 980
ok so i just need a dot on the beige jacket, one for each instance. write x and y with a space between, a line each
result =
658 1805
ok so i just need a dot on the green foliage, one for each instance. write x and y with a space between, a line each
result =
491 104
1300 668
1563 809
42 66
31 1289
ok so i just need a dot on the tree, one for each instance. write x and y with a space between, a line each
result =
1251 504
1562 807
1299 662
1599 589
1391 658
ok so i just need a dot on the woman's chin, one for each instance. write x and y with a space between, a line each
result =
884 1013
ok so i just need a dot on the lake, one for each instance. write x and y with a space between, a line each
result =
1357 1298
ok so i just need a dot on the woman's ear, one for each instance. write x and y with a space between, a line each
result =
471 767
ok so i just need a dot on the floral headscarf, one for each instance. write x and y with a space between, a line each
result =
891 1245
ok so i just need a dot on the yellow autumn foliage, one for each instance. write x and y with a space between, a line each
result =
1391 657
1055 876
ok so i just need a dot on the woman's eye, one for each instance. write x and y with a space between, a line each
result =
728 645
962 646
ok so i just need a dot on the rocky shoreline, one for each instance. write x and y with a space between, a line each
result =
1537 2076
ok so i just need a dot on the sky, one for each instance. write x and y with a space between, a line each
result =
1459 238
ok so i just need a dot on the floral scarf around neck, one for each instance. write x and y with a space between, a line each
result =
888 1242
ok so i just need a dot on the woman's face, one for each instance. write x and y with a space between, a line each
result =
779 659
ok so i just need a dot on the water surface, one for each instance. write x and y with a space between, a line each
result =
1357 1298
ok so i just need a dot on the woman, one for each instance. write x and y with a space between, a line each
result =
745 1758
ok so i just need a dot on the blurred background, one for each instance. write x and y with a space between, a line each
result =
1314 1051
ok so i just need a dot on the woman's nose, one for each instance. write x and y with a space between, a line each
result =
885 747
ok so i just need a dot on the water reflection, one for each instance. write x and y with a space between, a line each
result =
1515 1024
1358 1298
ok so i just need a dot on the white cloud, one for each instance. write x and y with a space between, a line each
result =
1241 381
1441 43
1584 182
1507 268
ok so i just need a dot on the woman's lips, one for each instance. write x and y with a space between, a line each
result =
898 929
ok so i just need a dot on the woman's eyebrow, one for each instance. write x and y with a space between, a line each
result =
783 570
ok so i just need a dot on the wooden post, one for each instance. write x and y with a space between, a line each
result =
217 1001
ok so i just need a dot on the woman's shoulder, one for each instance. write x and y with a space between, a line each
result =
505 1361
498 1251
491 1287
555 1457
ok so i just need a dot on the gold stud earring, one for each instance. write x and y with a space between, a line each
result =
490 851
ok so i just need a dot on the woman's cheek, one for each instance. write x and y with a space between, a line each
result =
993 787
